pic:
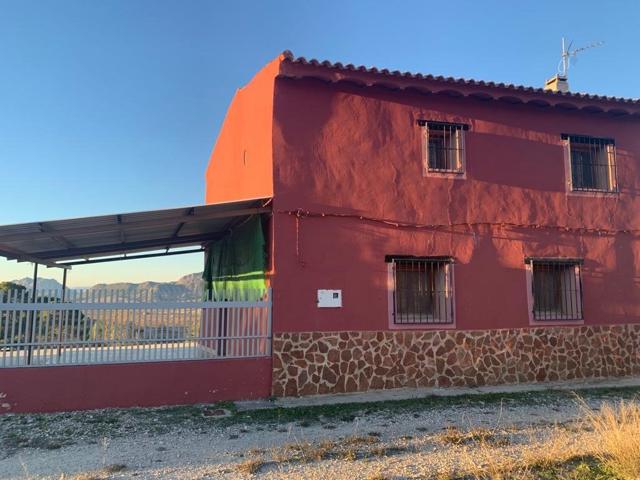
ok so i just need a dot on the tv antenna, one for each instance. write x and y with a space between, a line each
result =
568 54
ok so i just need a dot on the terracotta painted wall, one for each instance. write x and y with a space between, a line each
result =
240 166
83 387
358 152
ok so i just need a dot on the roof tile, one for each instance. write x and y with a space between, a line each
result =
287 55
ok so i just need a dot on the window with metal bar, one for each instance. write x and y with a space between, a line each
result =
593 163
422 290
444 147
557 289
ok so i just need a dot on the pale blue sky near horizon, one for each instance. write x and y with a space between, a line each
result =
114 106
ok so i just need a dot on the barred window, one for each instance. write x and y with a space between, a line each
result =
593 163
444 147
422 290
557 289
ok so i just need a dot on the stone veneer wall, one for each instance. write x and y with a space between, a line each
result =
333 362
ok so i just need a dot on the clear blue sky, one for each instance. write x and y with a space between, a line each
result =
114 105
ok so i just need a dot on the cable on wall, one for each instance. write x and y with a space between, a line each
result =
300 213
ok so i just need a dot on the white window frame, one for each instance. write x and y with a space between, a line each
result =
461 149
611 173
558 318
425 321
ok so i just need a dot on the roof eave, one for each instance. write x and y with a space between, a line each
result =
337 73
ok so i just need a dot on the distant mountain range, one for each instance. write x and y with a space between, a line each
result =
43 283
183 288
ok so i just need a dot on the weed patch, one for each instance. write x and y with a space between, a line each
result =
617 428
250 467
54 431
454 436
114 468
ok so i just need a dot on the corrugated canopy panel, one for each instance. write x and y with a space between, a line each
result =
52 242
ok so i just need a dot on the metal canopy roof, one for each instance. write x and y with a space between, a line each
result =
58 243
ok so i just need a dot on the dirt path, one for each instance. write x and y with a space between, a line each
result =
413 439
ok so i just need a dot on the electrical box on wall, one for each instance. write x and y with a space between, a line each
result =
329 298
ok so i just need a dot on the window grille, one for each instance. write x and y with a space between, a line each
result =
557 289
593 163
422 290
444 147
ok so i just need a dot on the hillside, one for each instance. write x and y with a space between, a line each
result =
43 283
183 288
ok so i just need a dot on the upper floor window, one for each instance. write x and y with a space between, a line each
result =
422 290
444 147
556 288
593 163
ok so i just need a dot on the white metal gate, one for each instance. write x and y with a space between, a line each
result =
92 326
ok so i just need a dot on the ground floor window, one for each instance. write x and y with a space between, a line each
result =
556 289
422 290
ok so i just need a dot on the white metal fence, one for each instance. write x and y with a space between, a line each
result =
120 326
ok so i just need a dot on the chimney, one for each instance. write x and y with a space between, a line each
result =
557 83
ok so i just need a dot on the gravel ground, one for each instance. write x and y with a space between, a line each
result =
398 440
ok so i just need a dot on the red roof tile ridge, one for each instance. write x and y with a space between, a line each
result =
288 56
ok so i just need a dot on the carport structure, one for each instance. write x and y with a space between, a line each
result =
65 243
77 336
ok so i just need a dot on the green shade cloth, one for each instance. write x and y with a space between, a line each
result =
235 265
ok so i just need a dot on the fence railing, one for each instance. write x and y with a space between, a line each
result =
89 326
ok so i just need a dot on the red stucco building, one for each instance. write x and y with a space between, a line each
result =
413 230
473 233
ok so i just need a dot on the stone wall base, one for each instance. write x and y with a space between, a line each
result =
336 362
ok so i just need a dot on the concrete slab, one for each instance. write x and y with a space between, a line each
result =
413 393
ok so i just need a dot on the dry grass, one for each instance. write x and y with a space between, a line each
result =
606 447
360 440
317 452
349 448
350 454
100 474
603 445
454 436
549 456
87 476
114 468
478 436
250 467
304 452
379 451
556 446
617 428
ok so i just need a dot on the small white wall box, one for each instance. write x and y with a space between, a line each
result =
329 298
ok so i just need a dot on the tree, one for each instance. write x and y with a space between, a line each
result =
7 290
46 326
13 292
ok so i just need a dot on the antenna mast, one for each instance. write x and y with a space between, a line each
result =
559 82
567 54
